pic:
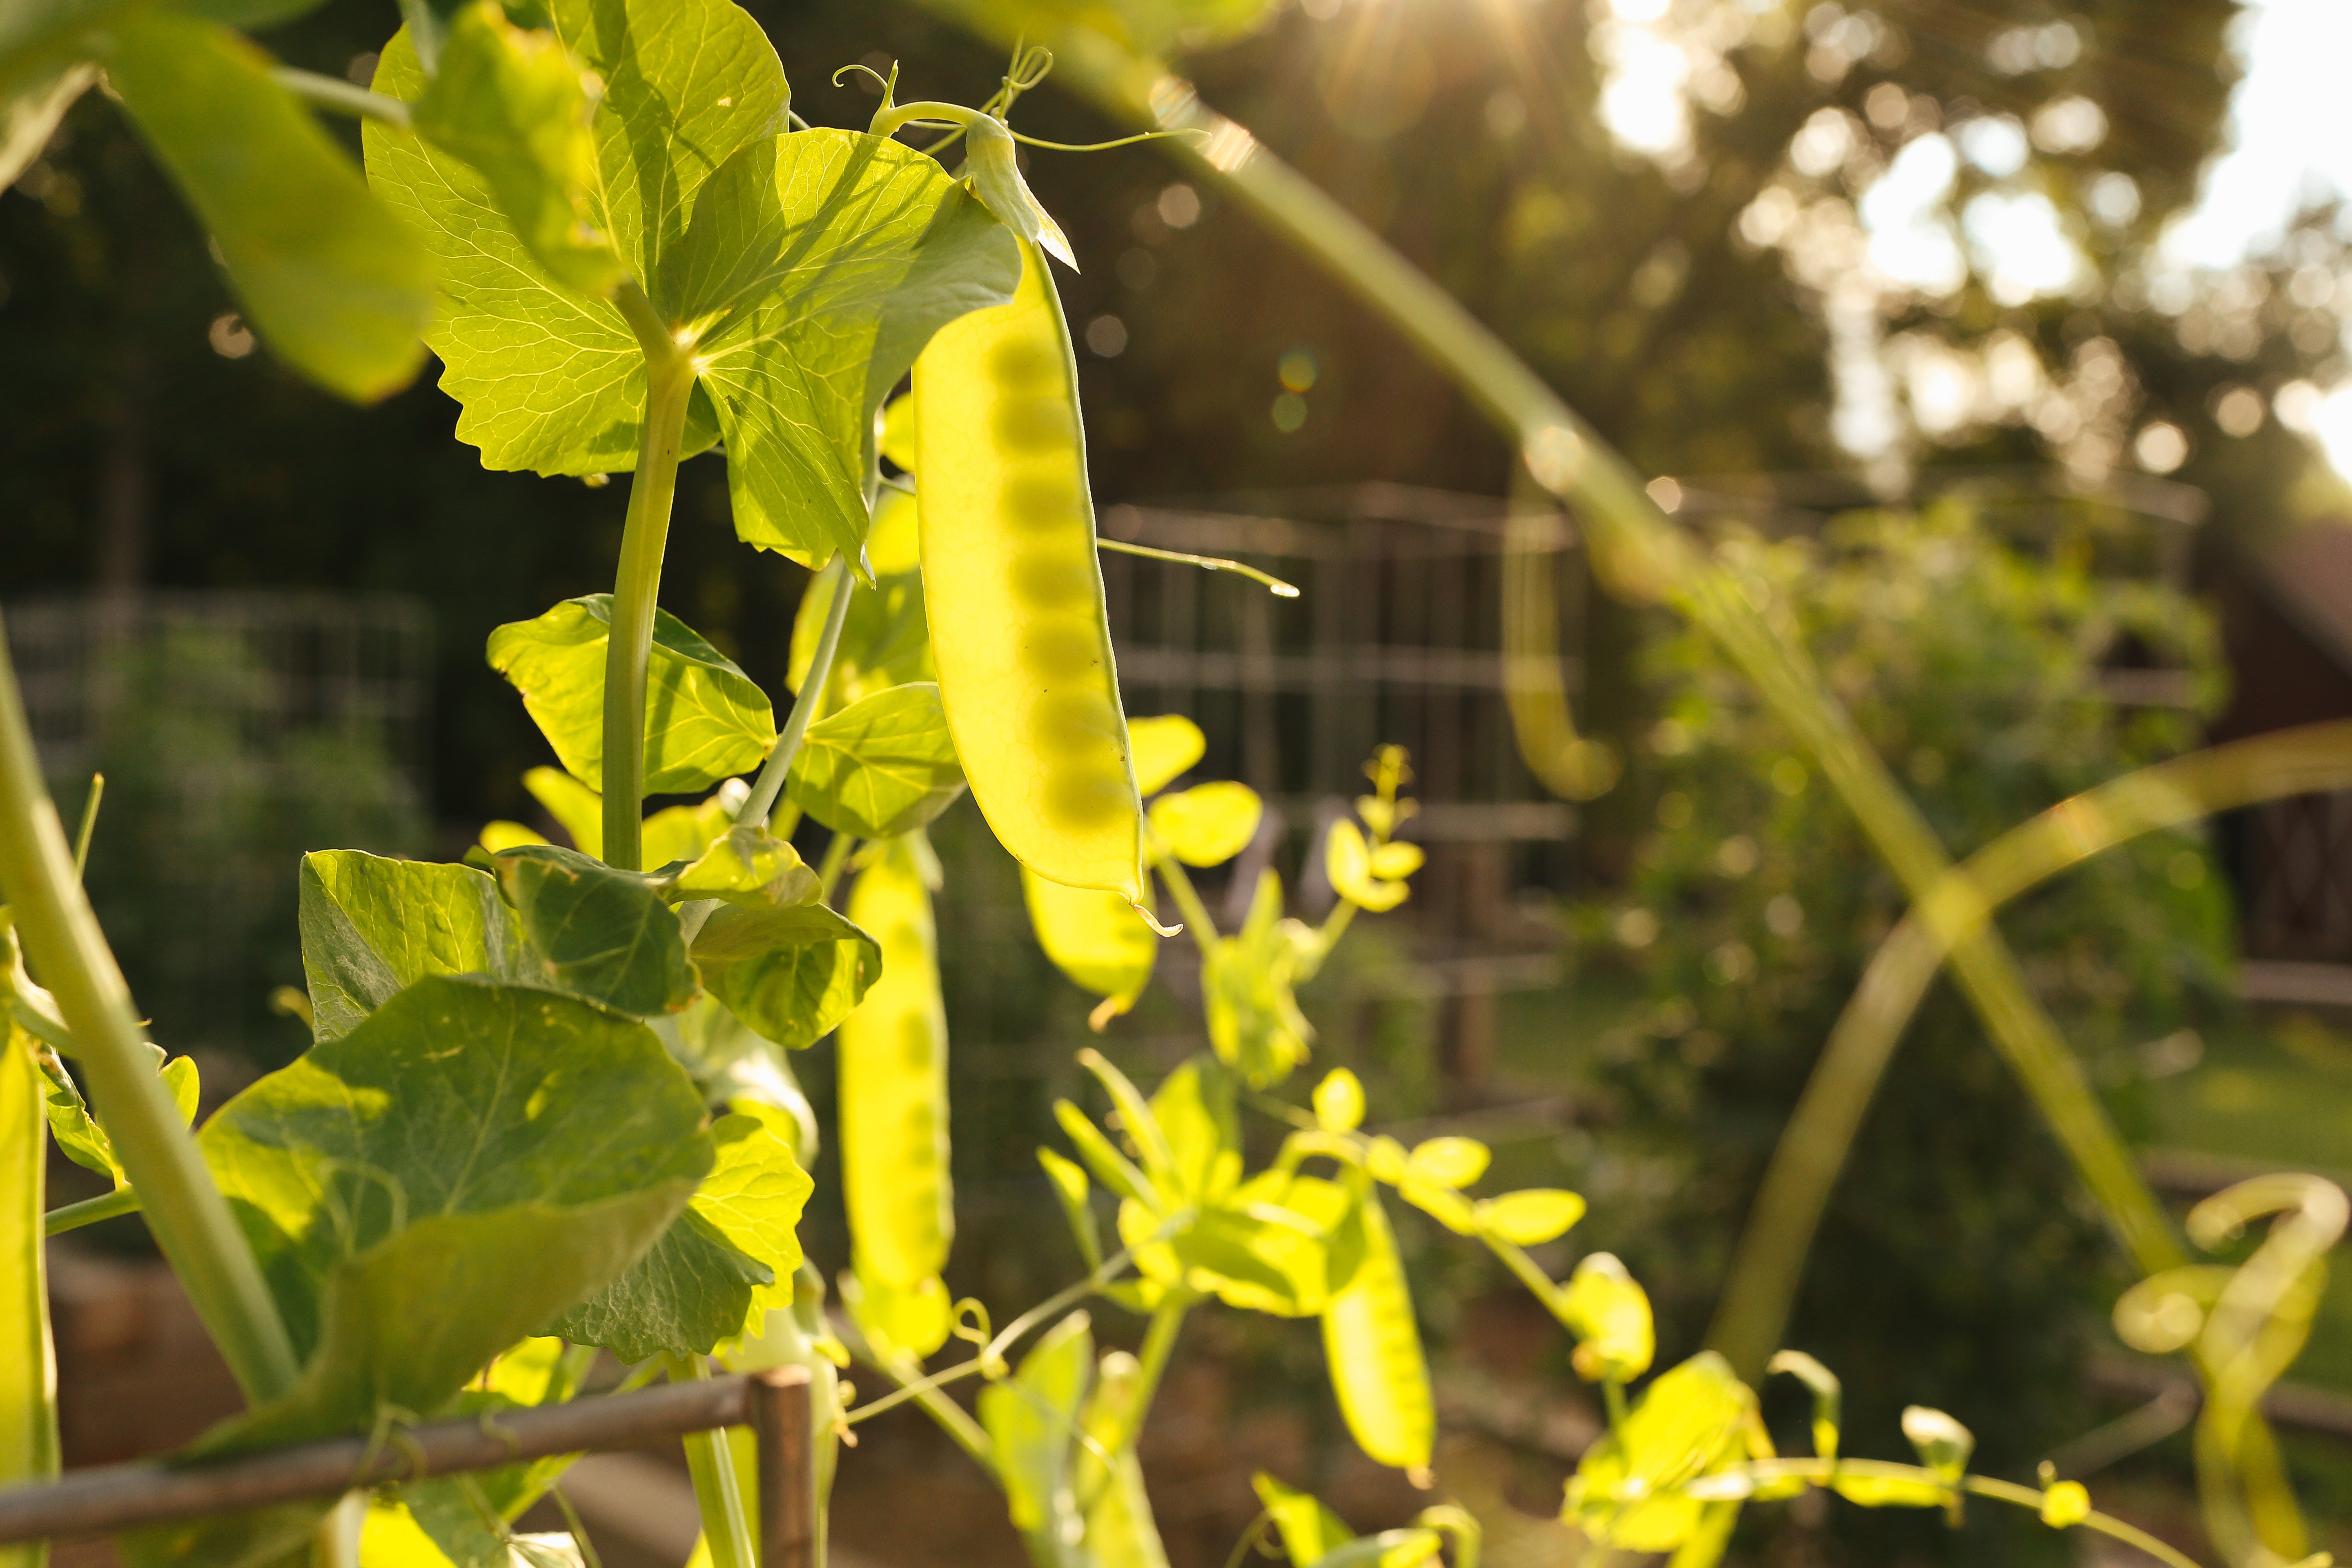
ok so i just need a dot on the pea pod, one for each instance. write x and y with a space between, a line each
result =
29 1432
1374 1347
893 1091
1014 593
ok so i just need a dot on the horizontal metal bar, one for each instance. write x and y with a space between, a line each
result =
123 1497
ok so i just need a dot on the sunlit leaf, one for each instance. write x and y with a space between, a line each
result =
882 767
597 932
1309 1530
705 719
1347 862
1163 747
371 926
1209 824
551 379
334 283
1610 1315
1339 1102
1530 1217
512 103
1625 1490
791 973
1194 1107
1032 1420
885 640
1094 937
1371 1343
818 267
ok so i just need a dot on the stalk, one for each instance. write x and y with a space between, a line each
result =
1159 1346
636 587
1645 553
710 1462
834 579
189 1218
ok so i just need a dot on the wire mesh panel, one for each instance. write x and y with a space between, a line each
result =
235 732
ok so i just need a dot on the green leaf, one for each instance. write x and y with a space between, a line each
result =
333 282
371 926
1209 824
1268 1250
791 973
1530 1217
882 767
1120 1530
469 1162
1194 1107
1072 1190
692 1289
1032 1420
1309 1529
1245 985
1625 1492
754 1196
818 267
1608 1314
1339 1101
77 1131
551 379
884 639
746 865
595 932
512 103
705 719
1094 937
1163 747
1347 862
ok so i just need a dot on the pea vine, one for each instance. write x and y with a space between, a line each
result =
603 219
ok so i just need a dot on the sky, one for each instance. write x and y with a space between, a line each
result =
2290 139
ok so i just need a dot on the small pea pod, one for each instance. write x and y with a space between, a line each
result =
1014 594
894 1090
28 1416
1374 1347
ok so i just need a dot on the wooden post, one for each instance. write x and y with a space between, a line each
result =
780 1418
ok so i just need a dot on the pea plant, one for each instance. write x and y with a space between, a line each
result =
549 1113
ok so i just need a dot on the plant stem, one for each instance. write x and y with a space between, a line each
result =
1769 1258
1159 1345
834 580
636 587
1280 589
713 1466
88 825
342 96
1646 554
191 1221
90 1211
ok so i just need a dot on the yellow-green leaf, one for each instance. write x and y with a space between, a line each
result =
882 767
1530 1217
1610 1315
1626 1490
1455 1161
1094 937
1209 824
1347 862
333 282
705 719
1339 1102
512 103
1163 747
1372 1345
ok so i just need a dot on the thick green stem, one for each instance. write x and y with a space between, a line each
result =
725 1526
1642 551
829 869
636 587
190 1220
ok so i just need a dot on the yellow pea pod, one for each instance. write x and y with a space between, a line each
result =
28 1415
1372 1345
1014 593
894 1086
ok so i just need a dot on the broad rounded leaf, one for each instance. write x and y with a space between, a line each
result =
371 926
1531 1218
1456 1161
595 932
792 973
885 640
1339 1102
1610 1315
1209 824
705 719
1625 1491
336 285
1347 862
1163 747
512 103
882 767
1094 937
551 379
467 1162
